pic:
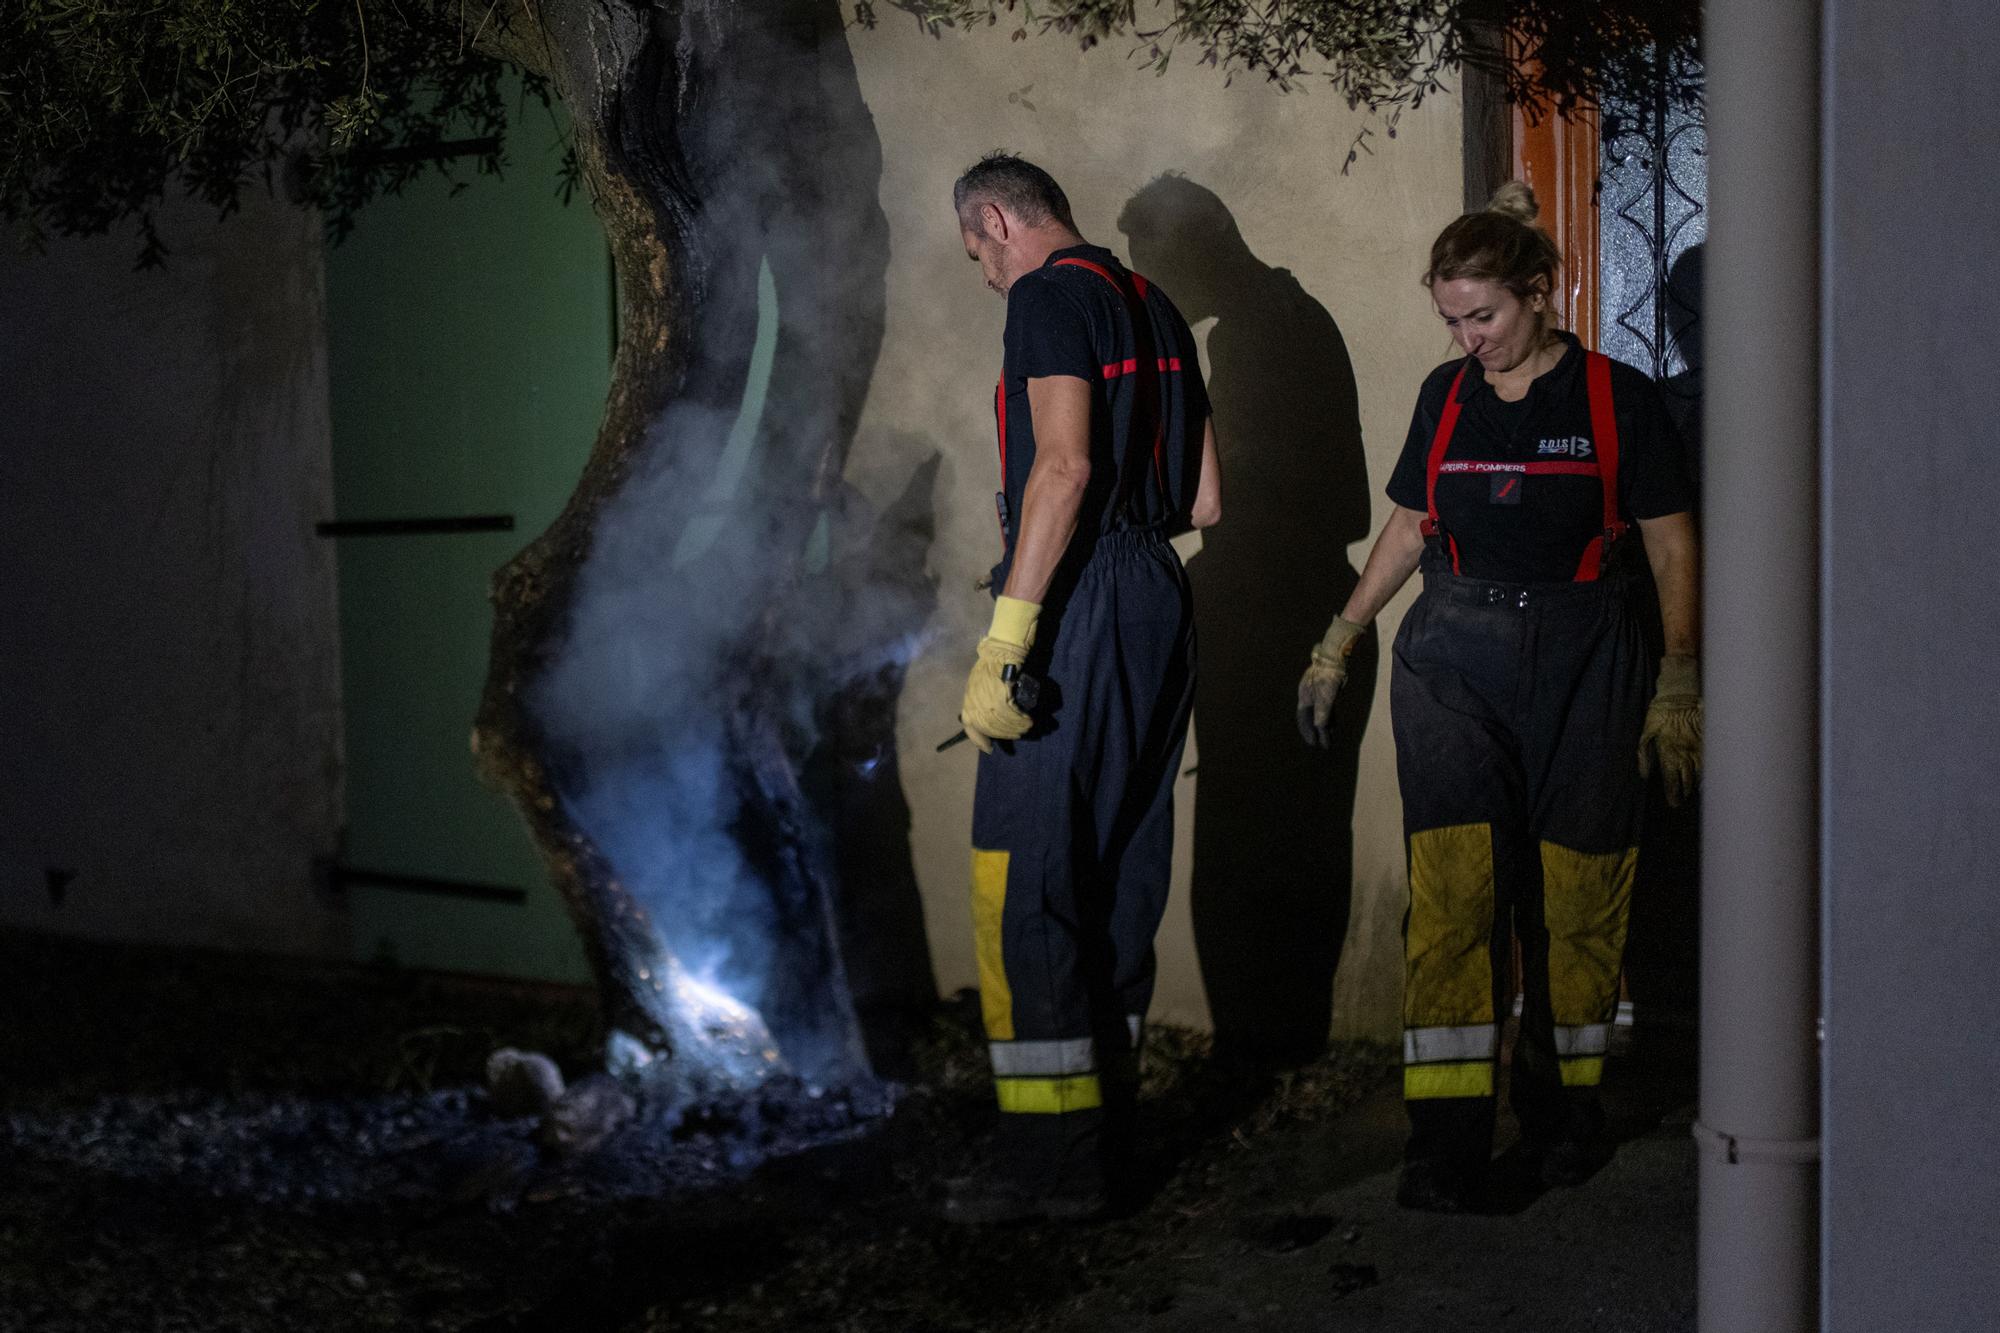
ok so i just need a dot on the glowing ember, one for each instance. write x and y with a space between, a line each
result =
716 1041
719 1017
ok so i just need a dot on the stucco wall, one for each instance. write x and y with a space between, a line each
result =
1314 371
169 688
171 673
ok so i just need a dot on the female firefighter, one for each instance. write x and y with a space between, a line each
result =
1526 707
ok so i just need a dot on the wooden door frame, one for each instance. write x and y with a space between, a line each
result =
1558 158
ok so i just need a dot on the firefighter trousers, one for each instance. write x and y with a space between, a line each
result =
1517 711
1072 833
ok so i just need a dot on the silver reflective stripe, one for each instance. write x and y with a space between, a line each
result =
1591 1039
1422 1046
1031 1059
1135 1024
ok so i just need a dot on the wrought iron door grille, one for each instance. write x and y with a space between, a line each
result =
1653 221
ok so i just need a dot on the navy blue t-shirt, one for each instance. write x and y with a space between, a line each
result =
1513 527
1146 419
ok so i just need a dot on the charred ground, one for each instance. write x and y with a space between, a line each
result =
199 1142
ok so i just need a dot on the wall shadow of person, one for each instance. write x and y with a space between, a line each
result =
1663 950
1273 823
1683 389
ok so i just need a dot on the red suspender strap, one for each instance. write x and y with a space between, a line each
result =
1130 366
1000 419
1440 441
1098 269
1148 365
1110 372
1604 428
1447 423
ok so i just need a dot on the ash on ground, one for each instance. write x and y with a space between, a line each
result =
412 1147
202 1142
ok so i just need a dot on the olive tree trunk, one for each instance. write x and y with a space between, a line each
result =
718 142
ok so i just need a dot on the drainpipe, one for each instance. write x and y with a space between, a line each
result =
1759 1124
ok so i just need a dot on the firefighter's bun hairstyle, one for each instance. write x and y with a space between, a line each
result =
1500 243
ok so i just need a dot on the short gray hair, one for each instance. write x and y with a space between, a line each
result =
1015 183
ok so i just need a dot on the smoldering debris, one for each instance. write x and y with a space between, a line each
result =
603 1139
586 1116
522 1082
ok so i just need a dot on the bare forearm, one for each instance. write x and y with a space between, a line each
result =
1680 617
1060 408
1050 504
1207 510
1673 551
1391 561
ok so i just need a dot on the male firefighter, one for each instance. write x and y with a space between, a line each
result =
1106 451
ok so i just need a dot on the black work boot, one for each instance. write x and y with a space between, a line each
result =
1565 1144
1118 1142
1438 1185
1533 1165
988 1200
1567 1163
1042 1166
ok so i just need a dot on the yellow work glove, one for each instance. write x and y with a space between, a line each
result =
1323 680
1673 728
988 710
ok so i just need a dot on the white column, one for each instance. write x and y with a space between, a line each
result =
1759 1124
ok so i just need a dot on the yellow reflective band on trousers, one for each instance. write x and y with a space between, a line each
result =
1586 901
989 901
1448 979
1049 1096
1582 1071
1473 1078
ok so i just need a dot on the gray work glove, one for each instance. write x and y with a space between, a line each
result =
1323 680
1672 737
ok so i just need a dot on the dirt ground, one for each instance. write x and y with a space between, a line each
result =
202 1143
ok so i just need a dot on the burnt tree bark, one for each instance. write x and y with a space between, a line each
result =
713 137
